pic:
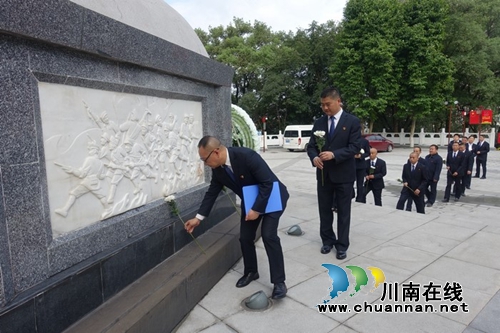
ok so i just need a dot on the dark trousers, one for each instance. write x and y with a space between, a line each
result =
343 195
457 182
407 194
466 181
480 162
360 189
431 192
377 194
272 244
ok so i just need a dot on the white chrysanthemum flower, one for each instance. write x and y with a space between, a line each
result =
170 198
362 151
319 134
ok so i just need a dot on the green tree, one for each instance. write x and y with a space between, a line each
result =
365 64
425 71
473 44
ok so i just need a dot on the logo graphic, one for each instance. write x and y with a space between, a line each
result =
340 281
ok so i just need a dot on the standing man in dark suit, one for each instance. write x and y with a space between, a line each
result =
234 168
375 173
434 164
336 169
468 163
482 150
471 148
364 152
455 164
414 184
421 161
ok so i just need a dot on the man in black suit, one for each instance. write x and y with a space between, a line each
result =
235 168
414 184
361 169
336 169
375 172
455 164
421 161
471 148
469 161
482 150
434 164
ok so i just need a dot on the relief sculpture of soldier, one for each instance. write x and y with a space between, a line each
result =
91 172
141 150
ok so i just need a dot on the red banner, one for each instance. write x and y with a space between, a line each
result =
474 117
486 117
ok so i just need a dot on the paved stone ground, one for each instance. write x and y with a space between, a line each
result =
452 242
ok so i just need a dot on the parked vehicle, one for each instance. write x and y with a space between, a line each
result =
378 142
296 137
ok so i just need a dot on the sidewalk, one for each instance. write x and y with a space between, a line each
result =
453 242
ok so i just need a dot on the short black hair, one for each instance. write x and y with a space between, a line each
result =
435 146
331 91
209 140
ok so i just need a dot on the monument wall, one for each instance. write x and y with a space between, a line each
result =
98 122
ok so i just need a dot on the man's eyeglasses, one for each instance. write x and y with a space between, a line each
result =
206 159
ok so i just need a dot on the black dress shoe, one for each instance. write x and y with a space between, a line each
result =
445 200
475 177
456 199
483 177
326 249
467 187
279 290
429 204
246 279
341 255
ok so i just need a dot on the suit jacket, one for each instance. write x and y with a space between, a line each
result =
361 162
416 179
482 150
469 161
456 164
379 173
344 144
434 165
474 146
249 169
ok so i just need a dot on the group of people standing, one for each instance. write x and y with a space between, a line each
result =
421 175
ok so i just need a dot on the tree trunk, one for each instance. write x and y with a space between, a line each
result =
412 131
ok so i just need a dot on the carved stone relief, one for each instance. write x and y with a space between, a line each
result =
109 152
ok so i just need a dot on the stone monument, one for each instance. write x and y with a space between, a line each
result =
102 104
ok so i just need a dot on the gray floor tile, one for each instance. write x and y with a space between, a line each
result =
470 276
488 319
402 256
286 315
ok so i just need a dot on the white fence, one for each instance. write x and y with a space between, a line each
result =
419 139
272 140
428 138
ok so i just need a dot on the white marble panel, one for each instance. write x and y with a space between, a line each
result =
108 152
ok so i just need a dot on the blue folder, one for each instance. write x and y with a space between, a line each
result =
251 192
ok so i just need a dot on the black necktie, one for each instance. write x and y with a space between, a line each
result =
332 127
412 167
230 172
454 155
373 164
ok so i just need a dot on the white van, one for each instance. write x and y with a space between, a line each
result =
297 137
